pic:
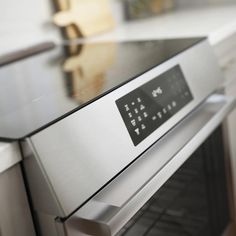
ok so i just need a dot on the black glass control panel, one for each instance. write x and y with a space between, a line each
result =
149 106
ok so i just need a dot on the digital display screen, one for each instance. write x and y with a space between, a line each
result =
146 108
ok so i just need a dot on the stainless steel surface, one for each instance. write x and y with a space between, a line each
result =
9 155
63 151
40 89
48 225
15 216
41 190
109 210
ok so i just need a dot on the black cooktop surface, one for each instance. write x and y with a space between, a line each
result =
39 90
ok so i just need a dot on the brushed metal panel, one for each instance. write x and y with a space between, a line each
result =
82 152
157 165
41 192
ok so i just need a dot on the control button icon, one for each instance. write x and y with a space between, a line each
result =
130 115
174 104
133 122
164 110
159 115
137 131
154 118
142 107
169 107
133 103
143 126
157 92
139 118
139 99
136 110
145 114
126 107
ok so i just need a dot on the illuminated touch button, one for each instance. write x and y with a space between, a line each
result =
145 114
157 91
139 118
164 110
133 122
139 100
169 107
133 103
143 126
154 118
159 115
174 104
142 107
137 131
130 115
136 110
126 107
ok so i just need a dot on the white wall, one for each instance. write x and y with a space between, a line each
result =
25 22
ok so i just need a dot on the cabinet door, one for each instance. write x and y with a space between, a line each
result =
15 216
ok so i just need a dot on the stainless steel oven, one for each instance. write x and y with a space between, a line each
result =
133 143
193 201
180 186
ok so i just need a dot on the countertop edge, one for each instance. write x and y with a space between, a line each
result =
9 155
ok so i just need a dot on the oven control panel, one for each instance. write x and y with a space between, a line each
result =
146 108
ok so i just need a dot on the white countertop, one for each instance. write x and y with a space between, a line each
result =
216 22
9 155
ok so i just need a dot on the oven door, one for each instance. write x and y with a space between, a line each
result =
180 186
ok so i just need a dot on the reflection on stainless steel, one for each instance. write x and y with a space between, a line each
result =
34 91
84 173
156 167
87 70
84 129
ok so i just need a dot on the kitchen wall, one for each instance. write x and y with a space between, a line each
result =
27 22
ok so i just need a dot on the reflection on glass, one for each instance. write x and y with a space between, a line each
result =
39 85
87 70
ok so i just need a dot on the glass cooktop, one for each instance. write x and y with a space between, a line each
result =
39 90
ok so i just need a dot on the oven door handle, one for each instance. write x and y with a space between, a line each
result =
105 215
